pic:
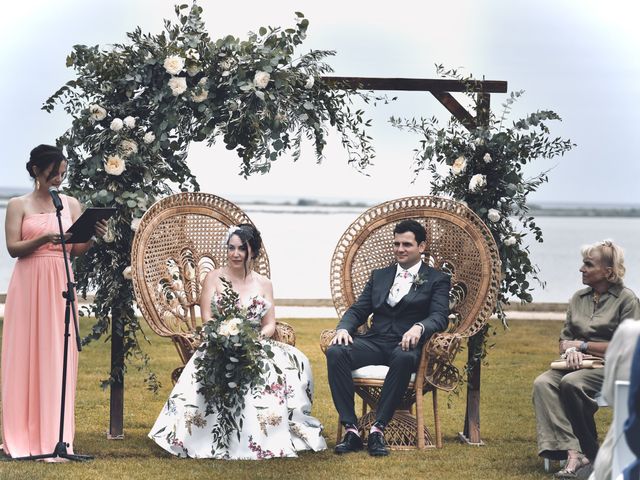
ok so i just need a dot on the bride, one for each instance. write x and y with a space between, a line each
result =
277 422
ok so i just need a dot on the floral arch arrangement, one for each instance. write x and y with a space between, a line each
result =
484 167
137 107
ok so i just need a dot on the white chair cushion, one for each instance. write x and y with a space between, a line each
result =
374 372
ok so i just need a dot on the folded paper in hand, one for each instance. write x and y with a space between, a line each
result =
588 361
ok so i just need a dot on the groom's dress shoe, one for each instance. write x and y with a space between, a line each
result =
376 446
350 443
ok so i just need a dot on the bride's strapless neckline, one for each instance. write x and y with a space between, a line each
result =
250 300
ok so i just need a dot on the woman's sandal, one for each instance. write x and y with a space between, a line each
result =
567 472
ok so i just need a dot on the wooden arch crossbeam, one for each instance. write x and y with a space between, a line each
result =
440 88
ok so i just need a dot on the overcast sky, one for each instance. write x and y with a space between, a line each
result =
577 57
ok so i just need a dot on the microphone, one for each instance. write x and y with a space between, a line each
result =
55 196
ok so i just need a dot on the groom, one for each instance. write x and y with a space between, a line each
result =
410 302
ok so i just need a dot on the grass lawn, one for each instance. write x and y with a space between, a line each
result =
507 422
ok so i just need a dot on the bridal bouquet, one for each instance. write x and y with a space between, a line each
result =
231 361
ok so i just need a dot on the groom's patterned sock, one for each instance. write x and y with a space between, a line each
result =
350 427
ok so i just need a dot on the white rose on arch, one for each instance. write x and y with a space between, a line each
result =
178 85
128 147
148 138
459 165
487 158
114 165
173 64
116 124
135 223
129 122
510 241
493 215
193 70
97 113
126 273
310 82
192 54
204 93
261 79
477 182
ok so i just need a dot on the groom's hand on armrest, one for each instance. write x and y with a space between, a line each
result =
342 337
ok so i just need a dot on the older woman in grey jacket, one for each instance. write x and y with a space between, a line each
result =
564 399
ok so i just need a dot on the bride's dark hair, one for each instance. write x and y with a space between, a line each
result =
250 237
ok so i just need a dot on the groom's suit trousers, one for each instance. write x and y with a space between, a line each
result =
370 350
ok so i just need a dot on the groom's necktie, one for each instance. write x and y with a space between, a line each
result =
400 287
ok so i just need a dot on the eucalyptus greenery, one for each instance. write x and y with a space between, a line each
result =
137 107
484 167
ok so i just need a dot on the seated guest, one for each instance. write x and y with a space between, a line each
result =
564 399
410 302
617 367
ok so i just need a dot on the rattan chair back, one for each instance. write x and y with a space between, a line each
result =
180 239
458 243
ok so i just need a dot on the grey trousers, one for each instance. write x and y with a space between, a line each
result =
564 404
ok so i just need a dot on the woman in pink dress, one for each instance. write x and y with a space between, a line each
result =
33 330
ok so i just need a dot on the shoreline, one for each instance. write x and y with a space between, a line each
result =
315 308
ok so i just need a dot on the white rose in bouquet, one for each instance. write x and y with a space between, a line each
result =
116 124
97 113
477 182
459 165
229 327
493 215
261 79
173 64
114 165
129 122
148 138
128 147
178 85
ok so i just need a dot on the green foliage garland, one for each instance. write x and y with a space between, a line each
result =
137 107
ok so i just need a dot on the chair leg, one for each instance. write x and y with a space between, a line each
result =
436 418
419 421
339 437
364 408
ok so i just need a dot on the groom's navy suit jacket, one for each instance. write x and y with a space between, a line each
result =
427 304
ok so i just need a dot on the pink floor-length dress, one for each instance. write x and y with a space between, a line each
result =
33 346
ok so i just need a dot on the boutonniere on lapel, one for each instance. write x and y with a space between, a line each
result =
418 280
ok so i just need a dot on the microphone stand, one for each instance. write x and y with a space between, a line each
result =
60 450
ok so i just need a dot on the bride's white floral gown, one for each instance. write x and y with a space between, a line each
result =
277 422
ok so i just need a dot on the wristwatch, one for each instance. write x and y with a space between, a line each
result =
584 346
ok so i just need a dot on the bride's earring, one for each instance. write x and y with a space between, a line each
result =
37 184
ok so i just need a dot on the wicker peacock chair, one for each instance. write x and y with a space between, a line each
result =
179 240
458 243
